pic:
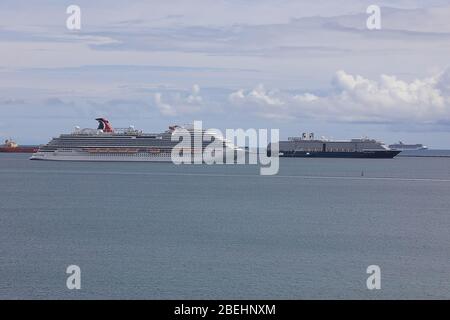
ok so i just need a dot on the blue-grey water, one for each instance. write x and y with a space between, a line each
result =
161 231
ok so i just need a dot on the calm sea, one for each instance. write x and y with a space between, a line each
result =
160 231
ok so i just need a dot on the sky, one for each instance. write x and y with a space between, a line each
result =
299 66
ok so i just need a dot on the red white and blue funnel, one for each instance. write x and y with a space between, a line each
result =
104 125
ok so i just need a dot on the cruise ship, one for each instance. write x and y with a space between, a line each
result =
307 146
407 147
108 144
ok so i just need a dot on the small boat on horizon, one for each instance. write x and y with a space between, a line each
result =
12 147
407 147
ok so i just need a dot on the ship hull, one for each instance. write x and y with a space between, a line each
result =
382 154
410 149
18 149
73 156
105 157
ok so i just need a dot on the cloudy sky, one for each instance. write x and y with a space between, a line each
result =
288 64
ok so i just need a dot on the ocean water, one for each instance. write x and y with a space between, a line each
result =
425 153
161 231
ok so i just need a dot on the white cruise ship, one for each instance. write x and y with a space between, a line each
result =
407 147
107 144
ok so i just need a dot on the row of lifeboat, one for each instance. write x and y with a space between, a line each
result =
122 150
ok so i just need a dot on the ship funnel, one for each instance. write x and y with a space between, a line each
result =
173 128
104 125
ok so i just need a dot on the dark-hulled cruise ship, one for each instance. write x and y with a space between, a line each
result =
307 146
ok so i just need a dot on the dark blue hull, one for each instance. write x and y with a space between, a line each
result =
382 154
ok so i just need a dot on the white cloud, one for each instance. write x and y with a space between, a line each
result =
305 97
356 98
164 108
194 97
258 95
180 104
195 89
391 98
389 91
237 97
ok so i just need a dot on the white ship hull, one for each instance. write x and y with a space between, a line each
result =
410 149
135 157
74 156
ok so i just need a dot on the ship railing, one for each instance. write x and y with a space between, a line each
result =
89 131
127 131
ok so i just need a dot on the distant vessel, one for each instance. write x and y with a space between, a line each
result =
11 146
307 146
407 147
129 144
